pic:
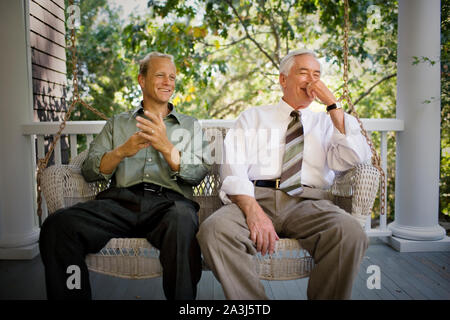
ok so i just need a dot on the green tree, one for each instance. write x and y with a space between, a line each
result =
106 70
444 198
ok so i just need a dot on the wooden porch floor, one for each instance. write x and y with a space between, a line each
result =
404 276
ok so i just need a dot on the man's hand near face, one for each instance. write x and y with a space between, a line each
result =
318 90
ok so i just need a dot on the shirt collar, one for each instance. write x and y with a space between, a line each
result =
286 110
172 112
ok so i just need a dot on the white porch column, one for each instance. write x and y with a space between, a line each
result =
18 228
417 164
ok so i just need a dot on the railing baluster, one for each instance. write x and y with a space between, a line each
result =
89 138
73 146
383 157
41 154
368 225
57 151
40 146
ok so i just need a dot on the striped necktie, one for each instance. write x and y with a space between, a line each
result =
293 157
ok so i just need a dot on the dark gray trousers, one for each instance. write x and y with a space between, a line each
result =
167 220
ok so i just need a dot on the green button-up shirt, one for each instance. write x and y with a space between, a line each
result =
149 165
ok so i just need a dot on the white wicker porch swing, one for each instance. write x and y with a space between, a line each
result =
63 185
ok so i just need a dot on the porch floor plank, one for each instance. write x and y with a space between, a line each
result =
204 291
433 284
418 274
391 280
404 276
218 293
302 285
441 273
383 293
292 290
397 275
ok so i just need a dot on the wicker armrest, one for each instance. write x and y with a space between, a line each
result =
64 186
356 189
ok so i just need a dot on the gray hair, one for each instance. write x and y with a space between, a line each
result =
288 61
143 63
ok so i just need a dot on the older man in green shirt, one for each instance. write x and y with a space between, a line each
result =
152 157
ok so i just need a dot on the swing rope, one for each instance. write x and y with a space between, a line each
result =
376 162
42 163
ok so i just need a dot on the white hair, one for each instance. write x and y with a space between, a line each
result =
288 61
143 64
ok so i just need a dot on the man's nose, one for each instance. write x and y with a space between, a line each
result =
166 80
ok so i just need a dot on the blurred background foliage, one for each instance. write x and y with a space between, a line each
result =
228 52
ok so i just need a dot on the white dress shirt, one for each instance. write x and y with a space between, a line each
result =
254 148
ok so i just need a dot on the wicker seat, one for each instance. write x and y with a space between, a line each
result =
63 185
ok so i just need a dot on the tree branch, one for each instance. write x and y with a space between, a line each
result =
223 45
228 106
234 107
274 32
366 93
250 37
216 98
287 19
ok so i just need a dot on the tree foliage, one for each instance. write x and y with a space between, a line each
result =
444 203
106 74
260 33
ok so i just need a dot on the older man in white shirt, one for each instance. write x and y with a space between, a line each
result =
258 209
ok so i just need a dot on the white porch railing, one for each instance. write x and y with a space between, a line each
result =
89 128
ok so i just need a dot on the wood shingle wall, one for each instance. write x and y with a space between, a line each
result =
48 53
48 57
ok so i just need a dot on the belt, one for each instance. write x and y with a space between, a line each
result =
271 184
267 183
146 186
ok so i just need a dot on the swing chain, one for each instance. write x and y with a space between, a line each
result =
346 93
42 163
376 162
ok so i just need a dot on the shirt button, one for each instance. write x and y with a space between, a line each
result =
147 175
149 159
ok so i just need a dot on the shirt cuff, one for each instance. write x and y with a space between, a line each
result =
97 161
351 127
183 161
174 174
233 185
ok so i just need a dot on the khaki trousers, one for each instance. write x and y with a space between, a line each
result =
332 236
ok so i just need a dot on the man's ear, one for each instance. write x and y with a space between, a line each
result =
141 81
282 79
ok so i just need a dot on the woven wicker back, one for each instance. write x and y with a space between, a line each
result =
207 192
